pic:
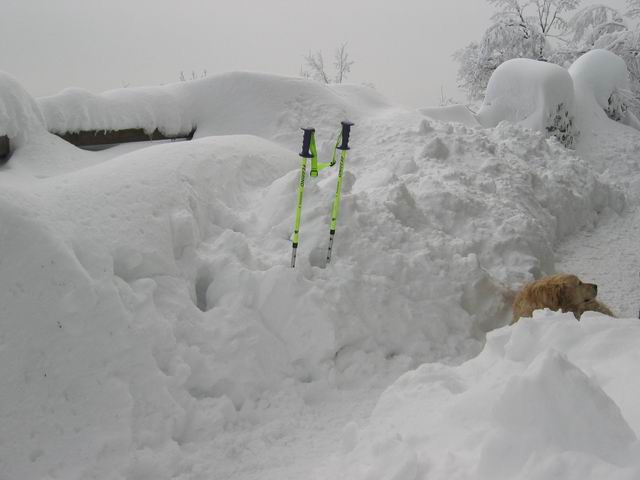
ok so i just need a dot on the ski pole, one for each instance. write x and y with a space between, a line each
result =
344 135
307 141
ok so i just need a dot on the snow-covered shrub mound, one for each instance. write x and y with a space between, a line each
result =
547 398
20 117
603 76
537 95
602 73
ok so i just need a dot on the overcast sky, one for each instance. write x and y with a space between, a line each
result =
403 47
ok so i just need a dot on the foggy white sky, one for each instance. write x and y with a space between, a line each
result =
403 47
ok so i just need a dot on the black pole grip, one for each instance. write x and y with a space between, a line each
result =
306 142
346 131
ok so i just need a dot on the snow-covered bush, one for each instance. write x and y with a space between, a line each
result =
523 30
604 76
534 94
617 108
560 125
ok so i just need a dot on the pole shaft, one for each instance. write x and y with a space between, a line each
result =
296 228
335 212
331 235
336 200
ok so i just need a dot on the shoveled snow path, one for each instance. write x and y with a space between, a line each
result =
608 256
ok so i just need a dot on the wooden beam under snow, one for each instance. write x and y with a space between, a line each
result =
91 138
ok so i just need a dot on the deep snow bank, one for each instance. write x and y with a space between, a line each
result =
147 302
547 398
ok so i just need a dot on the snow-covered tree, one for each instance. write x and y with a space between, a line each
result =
634 8
593 22
501 42
603 27
521 29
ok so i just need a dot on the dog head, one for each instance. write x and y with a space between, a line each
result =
567 292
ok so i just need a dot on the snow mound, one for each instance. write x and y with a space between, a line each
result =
20 117
548 397
527 92
600 73
563 103
601 81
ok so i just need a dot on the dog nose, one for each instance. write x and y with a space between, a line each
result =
595 288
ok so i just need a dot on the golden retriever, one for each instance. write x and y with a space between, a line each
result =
562 292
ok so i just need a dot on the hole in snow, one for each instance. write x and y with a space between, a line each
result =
318 257
203 280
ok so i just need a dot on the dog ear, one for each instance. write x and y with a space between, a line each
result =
557 296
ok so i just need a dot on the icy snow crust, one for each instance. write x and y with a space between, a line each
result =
146 303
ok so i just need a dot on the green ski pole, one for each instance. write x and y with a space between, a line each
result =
308 141
346 130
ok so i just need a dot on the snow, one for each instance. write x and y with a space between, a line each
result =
74 110
151 327
452 113
547 398
526 92
601 73
20 117
232 103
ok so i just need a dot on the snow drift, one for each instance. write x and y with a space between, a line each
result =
146 302
548 397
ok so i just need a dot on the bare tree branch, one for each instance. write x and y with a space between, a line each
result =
342 63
